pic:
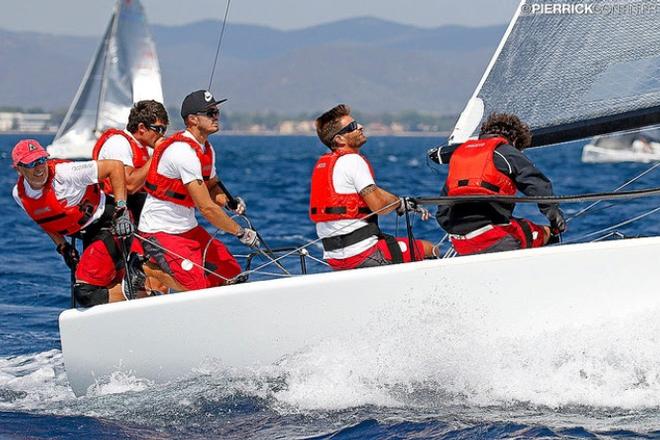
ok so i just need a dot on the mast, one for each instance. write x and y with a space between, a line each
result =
100 52
112 27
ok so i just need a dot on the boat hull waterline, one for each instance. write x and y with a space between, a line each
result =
510 295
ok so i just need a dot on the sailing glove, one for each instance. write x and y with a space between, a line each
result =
69 254
240 206
557 222
248 237
122 226
407 204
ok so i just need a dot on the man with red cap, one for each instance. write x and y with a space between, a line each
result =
182 177
64 198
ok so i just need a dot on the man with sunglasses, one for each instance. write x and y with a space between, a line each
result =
64 198
147 124
345 201
182 177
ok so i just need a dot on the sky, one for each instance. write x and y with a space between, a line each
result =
89 17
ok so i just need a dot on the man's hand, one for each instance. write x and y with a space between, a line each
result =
557 222
122 226
406 204
69 254
248 237
239 206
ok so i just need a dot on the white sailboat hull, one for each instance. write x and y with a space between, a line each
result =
594 154
510 294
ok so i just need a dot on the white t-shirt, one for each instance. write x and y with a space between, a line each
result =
70 183
117 147
179 161
350 176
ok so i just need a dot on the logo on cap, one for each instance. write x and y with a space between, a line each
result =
207 96
31 147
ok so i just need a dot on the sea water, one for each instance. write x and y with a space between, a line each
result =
601 383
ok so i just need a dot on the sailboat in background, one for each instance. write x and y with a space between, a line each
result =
124 70
634 147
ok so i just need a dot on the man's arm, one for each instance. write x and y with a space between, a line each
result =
135 177
114 170
377 199
216 193
210 209
58 239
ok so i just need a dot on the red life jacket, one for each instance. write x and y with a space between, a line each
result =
473 172
139 152
325 204
54 215
173 190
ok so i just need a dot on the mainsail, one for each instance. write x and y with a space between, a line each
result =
123 70
572 72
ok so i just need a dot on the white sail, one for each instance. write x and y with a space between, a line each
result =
572 75
124 70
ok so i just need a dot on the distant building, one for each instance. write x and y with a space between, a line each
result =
26 122
296 127
7 121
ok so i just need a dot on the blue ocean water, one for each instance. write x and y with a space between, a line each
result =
330 397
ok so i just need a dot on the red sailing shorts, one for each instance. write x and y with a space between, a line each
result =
190 245
500 238
358 260
96 266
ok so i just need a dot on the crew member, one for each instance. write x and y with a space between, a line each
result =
494 164
182 177
147 123
344 194
64 198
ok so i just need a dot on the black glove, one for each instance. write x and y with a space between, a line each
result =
407 204
557 222
122 226
69 253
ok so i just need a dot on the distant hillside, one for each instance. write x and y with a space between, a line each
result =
375 65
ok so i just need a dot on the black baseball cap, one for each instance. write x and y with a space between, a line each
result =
197 102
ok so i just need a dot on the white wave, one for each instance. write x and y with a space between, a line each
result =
454 356
426 355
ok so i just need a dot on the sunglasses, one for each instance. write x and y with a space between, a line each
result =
349 128
34 163
160 129
211 113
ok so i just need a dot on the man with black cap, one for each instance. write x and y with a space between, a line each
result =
182 177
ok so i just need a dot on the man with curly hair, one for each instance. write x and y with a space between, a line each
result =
494 164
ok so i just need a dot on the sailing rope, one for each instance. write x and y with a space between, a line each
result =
272 260
446 200
217 50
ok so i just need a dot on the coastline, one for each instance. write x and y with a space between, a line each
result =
266 133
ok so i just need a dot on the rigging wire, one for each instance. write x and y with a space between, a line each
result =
628 182
217 50
268 263
618 225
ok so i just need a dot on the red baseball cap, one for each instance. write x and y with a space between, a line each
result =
26 151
